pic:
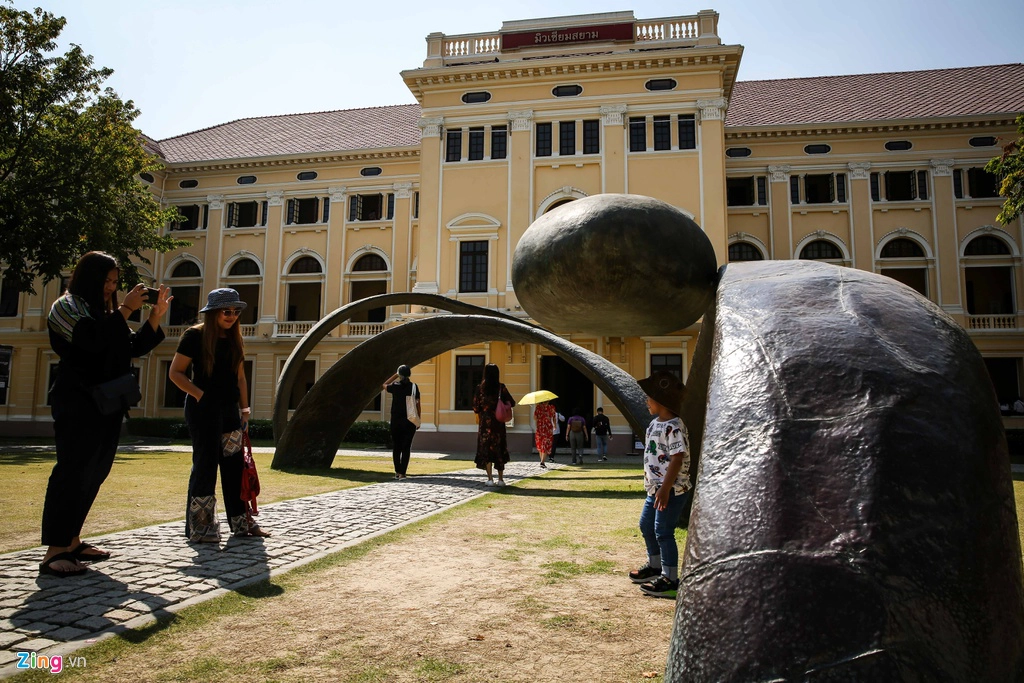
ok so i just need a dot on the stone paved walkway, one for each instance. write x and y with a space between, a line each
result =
154 572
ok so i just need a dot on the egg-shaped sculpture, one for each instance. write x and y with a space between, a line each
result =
615 265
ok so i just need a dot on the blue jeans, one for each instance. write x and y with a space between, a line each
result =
602 444
659 527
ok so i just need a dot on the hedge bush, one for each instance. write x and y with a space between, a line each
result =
373 432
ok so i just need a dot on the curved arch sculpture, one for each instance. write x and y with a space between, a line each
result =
311 438
339 316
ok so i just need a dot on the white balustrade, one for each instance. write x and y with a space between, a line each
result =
292 329
992 322
365 329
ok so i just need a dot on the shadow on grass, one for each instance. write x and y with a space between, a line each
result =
27 456
346 473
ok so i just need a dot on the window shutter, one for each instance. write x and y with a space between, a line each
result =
391 205
762 191
416 205
292 211
353 207
875 194
316 208
922 184
232 214
327 209
794 189
841 188
832 187
206 216
958 183
264 207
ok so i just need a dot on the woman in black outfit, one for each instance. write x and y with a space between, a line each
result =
89 331
400 386
217 412
491 438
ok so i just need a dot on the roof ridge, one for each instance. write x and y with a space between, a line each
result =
283 116
883 73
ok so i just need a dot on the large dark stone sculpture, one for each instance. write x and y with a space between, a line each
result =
616 265
854 516
311 438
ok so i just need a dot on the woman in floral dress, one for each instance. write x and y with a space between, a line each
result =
491 442
544 417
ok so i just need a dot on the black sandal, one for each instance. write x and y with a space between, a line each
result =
79 553
45 568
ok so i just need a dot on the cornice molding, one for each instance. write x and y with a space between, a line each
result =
361 155
817 129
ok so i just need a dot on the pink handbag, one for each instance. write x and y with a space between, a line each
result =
502 411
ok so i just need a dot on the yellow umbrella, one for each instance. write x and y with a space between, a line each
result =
536 397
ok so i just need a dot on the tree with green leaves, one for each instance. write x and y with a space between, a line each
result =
1009 168
70 160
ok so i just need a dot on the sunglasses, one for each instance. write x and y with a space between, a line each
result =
231 311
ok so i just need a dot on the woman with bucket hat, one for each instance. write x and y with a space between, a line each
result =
217 412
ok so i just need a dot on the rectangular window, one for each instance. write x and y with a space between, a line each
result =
673 362
192 218
875 191
499 142
794 189
303 211
739 191
638 134
473 266
922 184
687 131
365 207
762 190
206 216
958 184
981 183
327 209
841 188
469 372
818 188
567 138
592 137
173 396
662 132
9 297
476 144
263 213
900 186
453 145
391 206
243 214
416 205
543 147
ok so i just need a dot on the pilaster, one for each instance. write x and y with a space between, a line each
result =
782 219
947 242
860 215
714 219
613 118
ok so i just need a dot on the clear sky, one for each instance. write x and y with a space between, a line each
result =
190 64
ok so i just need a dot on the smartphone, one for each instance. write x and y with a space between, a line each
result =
152 295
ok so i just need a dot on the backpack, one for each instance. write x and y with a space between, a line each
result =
575 424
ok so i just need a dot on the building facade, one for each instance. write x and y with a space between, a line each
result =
307 212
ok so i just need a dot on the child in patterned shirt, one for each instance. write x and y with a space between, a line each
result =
667 482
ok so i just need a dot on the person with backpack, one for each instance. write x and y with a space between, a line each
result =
577 434
602 433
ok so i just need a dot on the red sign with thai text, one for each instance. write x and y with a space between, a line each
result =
564 36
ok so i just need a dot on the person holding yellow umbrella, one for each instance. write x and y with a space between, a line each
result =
544 421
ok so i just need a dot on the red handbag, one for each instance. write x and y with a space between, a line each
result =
250 477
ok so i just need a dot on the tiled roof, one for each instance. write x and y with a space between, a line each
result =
874 97
344 130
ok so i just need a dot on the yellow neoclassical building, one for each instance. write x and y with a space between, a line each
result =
304 213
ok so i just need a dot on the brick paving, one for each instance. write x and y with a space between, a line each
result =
154 572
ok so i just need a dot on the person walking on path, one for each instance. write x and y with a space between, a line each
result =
402 430
217 413
491 439
667 482
89 332
544 417
602 433
577 435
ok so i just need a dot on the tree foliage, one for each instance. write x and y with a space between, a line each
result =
70 159
1009 167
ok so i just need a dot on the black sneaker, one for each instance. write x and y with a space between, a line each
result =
644 573
661 587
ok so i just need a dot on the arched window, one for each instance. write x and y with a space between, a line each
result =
186 269
744 251
821 250
370 262
901 247
306 264
987 245
245 266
